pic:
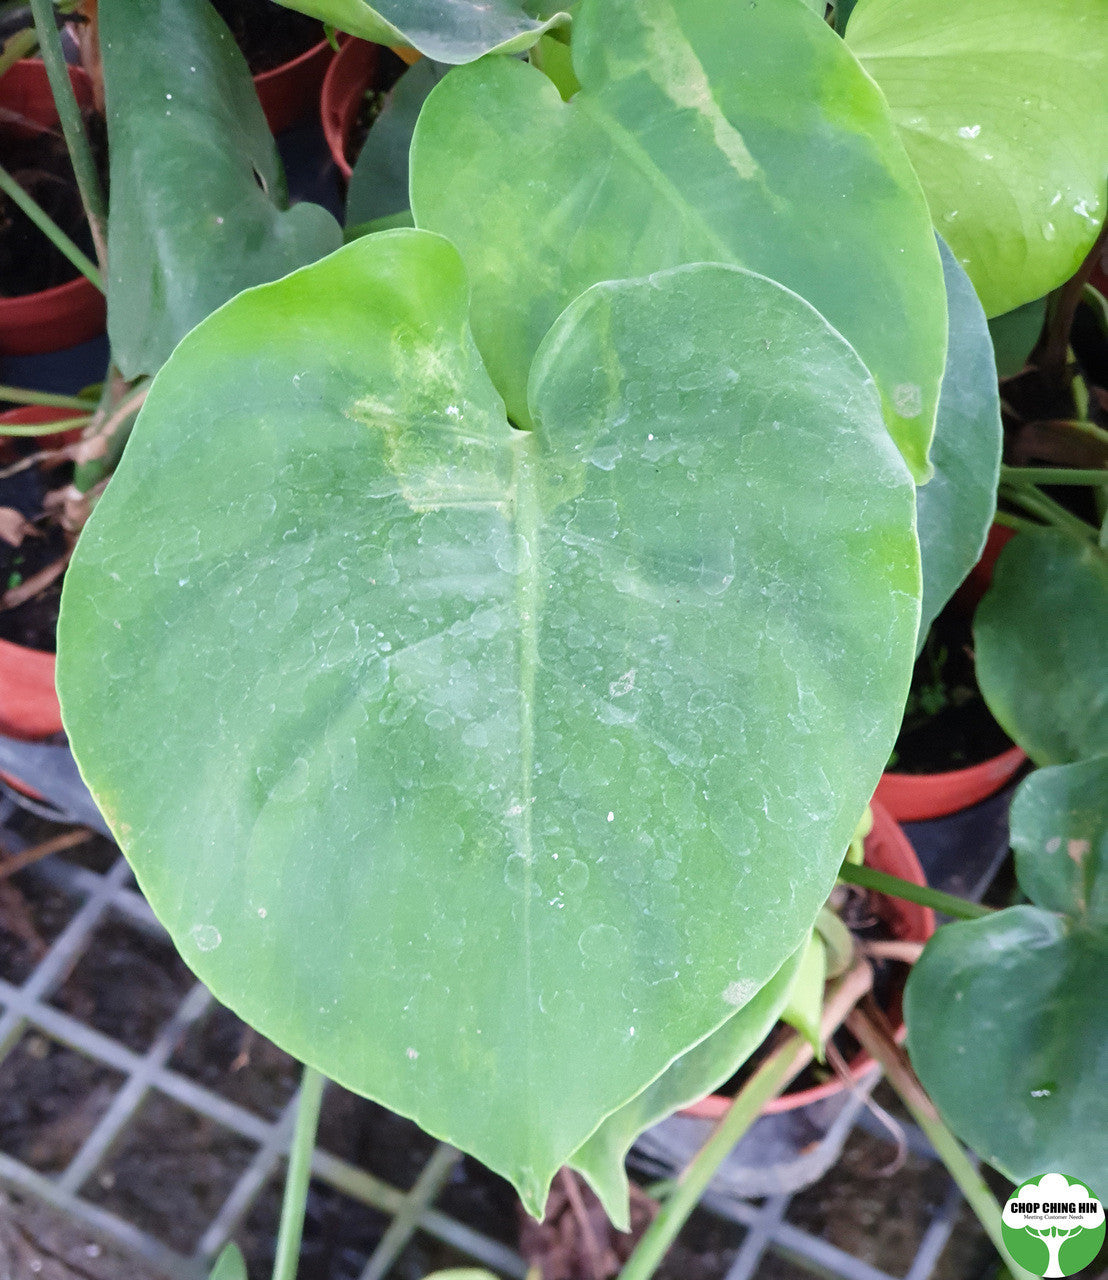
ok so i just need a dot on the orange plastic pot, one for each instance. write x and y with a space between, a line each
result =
887 849
348 77
290 92
918 797
344 86
28 702
912 797
69 313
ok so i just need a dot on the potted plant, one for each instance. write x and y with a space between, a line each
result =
548 569
69 308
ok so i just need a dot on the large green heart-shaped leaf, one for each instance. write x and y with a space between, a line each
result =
1017 999
956 506
1003 109
1039 639
487 770
446 30
693 1075
198 208
704 132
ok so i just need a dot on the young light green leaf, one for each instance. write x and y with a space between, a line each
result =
446 30
804 1006
691 1076
481 753
230 1265
1017 999
1003 110
198 207
1042 662
956 506
783 160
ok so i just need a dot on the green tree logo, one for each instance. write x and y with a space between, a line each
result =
1054 1226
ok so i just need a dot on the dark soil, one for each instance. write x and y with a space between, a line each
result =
29 261
947 724
33 623
171 1172
267 33
127 985
225 1055
51 1099
389 69
32 914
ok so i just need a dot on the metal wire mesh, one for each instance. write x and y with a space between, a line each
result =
27 1007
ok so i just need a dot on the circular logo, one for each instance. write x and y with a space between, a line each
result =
1053 1225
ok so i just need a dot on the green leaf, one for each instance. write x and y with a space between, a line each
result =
804 1007
1039 639
230 1265
690 1077
479 754
446 30
198 207
1060 836
1002 107
677 149
956 506
1014 336
1017 999
379 183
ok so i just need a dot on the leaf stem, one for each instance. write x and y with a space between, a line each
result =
49 228
69 114
22 395
299 1172
881 882
1030 476
869 1027
768 1081
44 428
1039 504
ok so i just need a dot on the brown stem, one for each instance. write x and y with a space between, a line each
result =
67 840
1051 355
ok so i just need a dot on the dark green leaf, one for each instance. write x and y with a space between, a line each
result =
447 30
1039 639
379 183
1007 1021
1014 336
198 208
956 506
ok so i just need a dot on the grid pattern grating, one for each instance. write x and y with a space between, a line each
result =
26 1008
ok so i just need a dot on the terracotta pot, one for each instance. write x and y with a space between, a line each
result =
67 314
344 86
290 92
918 797
887 849
28 703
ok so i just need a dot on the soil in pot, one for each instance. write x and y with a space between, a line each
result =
33 553
389 69
29 262
947 724
268 34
